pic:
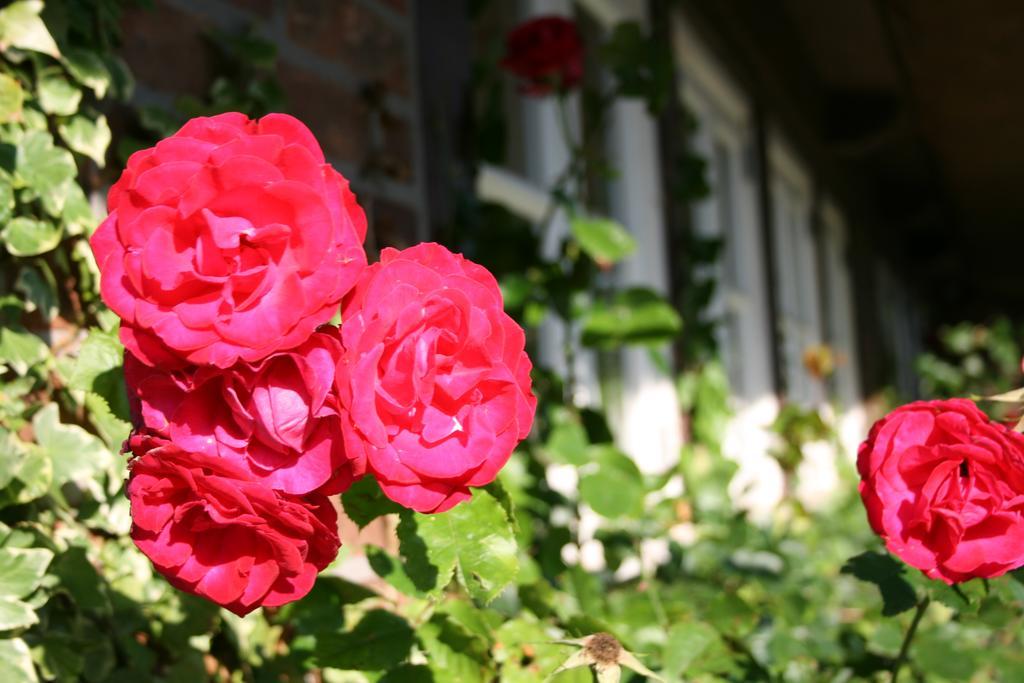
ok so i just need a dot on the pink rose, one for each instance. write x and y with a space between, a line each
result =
228 241
278 419
944 487
435 382
546 53
215 532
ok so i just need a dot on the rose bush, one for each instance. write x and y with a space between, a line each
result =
944 486
213 530
546 53
228 241
278 419
434 380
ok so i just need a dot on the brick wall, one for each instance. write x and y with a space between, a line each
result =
345 66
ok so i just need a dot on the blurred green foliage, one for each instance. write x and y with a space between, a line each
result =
486 591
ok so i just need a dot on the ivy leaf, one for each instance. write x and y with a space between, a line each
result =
635 316
474 541
45 169
16 661
29 237
39 286
886 573
380 641
603 239
22 27
87 136
365 502
57 95
16 614
22 570
11 99
88 69
27 471
20 349
612 485
77 455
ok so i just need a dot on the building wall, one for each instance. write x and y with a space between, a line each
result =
346 68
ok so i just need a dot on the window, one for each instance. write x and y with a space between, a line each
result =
798 305
724 138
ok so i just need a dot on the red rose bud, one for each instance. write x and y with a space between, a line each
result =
229 240
546 53
212 530
277 419
944 487
434 381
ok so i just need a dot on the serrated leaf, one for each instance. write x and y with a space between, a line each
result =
603 239
20 349
16 661
473 540
685 643
88 69
634 316
77 455
12 97
392 570
15 614
380 641
613 486
21 570
57 95
29 237
22 27
886 573
365 502
87 136
97 365
454 655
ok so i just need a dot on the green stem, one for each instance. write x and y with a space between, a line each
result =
901 658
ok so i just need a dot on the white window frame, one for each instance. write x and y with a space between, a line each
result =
647 421
725 123
798 295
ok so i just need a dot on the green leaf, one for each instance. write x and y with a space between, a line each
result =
21 570
44 168
15 614
81 579
567 442
394 572
612 484
88 69
20 349
16 662
57 95
454 654
686 642
29 237
77 455
27 471
97 367
39 286
87 136
113 429
603 239
11 99
474 540
380 641
634 316
886 573
365 502
22 27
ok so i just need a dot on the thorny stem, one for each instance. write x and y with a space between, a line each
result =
901 658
